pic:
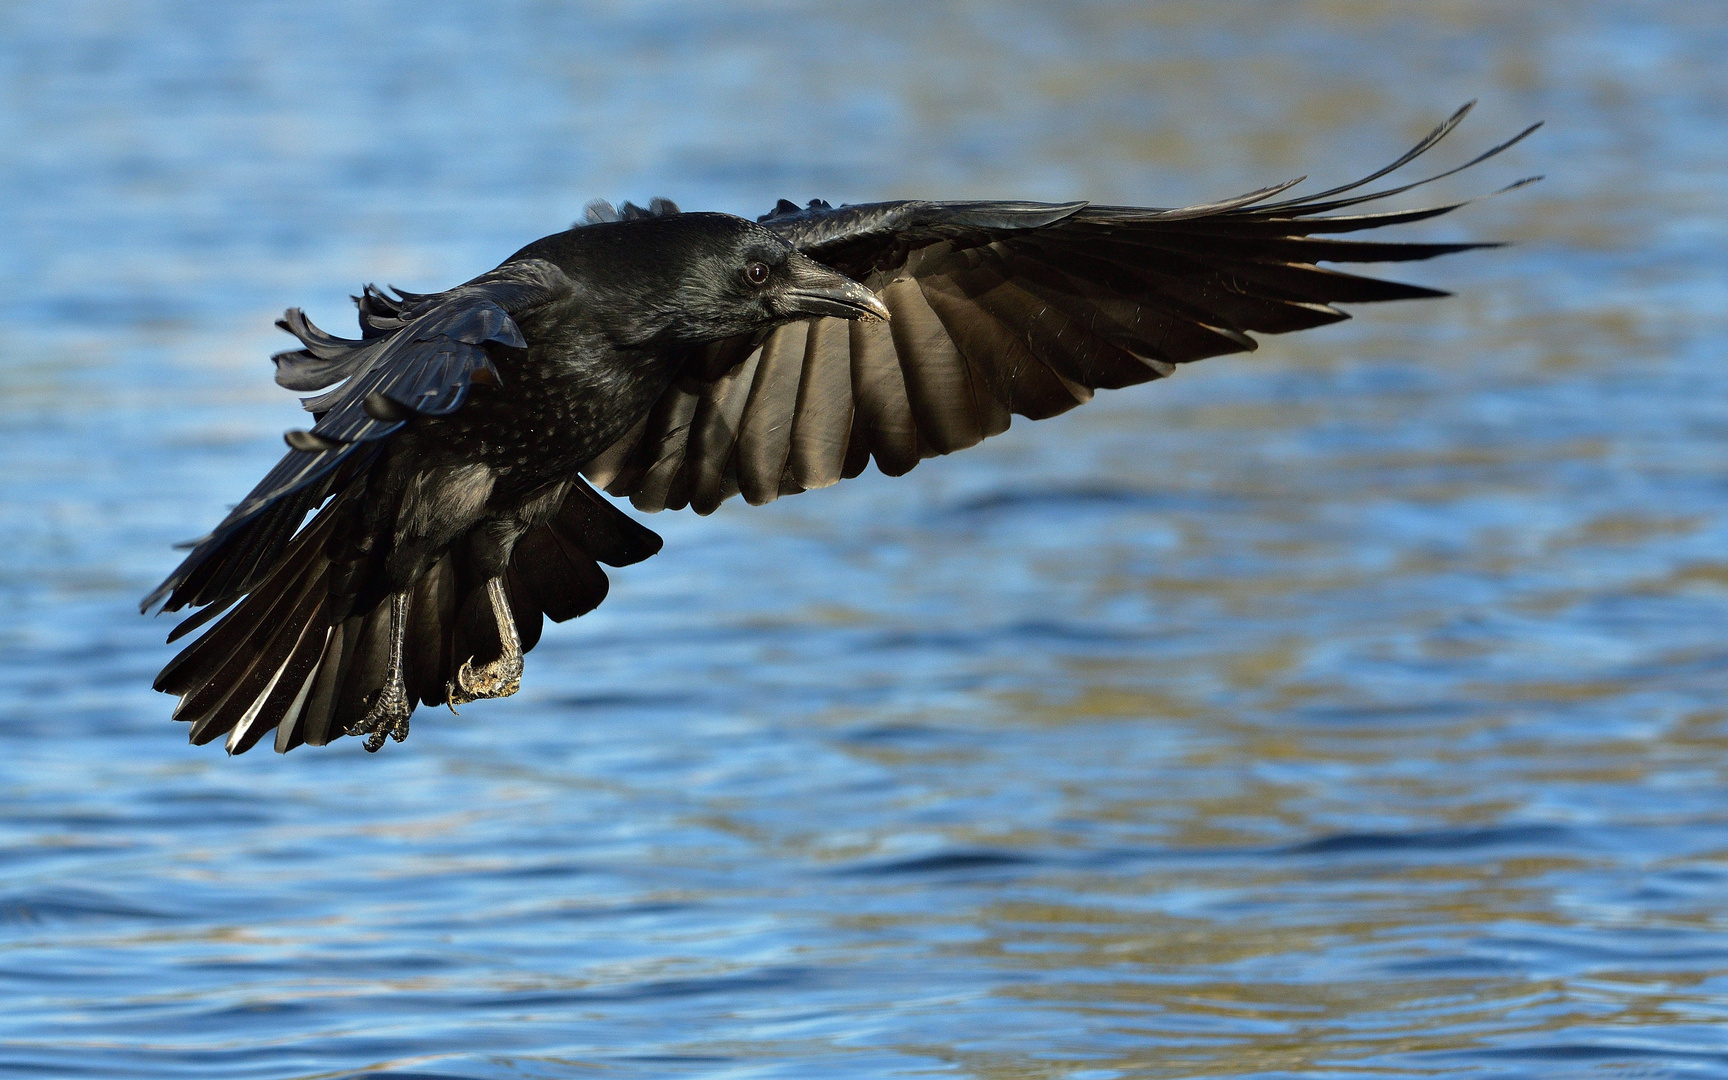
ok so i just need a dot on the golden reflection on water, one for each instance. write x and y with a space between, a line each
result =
1349 708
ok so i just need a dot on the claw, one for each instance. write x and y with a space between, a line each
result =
501 678
388 717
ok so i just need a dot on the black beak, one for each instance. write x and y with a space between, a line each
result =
816 291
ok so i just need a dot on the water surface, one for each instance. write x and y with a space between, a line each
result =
1351 708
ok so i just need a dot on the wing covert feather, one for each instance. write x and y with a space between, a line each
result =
421 356
822 420
883 410
765 434
938 382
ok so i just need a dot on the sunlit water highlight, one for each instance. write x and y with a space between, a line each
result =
1352 707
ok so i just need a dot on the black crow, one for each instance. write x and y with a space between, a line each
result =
681 359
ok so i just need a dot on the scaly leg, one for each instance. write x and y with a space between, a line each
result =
389 714
503 676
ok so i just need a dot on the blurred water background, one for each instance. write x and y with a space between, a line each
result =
1351 708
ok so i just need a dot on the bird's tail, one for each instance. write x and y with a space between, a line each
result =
306 652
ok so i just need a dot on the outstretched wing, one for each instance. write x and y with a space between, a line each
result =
419 355
998 308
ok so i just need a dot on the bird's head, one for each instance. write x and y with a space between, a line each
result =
705 277
741 278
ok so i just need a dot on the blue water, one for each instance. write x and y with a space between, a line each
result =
1352 708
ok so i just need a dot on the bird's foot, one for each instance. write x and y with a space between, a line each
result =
388 717
501 678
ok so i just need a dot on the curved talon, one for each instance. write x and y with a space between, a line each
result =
465 677
500 678
455 691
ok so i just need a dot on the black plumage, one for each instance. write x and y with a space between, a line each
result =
678 360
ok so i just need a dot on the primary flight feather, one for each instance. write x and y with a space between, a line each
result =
679 359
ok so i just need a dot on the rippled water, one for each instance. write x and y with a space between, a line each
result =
1356 707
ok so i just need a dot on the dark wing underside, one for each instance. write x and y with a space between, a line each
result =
420 354
998 309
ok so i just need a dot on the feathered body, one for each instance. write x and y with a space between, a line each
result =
680 359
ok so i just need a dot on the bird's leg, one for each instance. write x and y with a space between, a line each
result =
503 676
388 715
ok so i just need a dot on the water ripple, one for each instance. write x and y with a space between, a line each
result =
1354 707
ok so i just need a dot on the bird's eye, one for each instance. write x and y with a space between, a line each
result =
757 273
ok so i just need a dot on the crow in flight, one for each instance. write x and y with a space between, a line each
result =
680 359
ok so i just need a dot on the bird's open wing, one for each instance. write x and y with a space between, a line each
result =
420 354
998 308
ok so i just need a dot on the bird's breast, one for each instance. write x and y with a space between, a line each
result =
555 409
